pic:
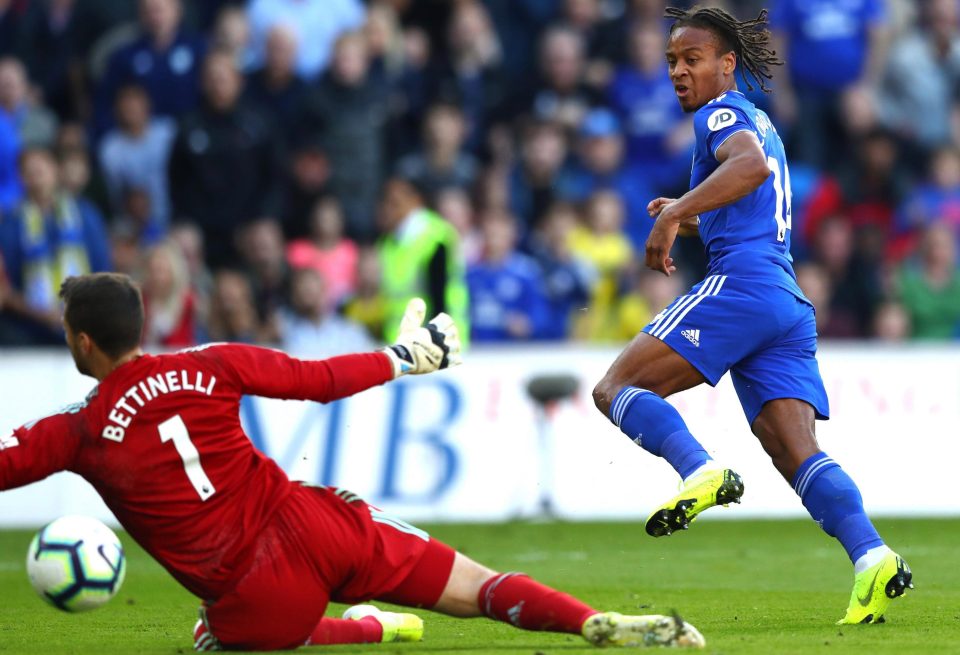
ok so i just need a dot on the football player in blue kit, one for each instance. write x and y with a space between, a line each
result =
748 316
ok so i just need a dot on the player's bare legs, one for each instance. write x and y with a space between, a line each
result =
632 395
460 596
650 364
785 428
474 590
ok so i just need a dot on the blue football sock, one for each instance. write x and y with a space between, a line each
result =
654 425
834 502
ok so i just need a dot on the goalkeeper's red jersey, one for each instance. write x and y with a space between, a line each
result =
160 440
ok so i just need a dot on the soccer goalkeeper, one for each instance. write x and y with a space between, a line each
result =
265 554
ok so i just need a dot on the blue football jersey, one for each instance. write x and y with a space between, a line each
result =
751 237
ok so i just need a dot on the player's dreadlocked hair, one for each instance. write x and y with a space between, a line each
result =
748 39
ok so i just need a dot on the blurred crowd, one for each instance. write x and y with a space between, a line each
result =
290 172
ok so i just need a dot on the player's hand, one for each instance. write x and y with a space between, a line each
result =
655 206
424 349
662 236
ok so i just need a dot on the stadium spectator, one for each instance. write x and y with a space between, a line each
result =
600 242
10 187
832 48
472 72
408 75
815 282
936 199
168 300
420 255
233 315
867 187
442 161
507 301
10 17
659 135
126 254
367 306
590 19
454 204
310 328
231 35
600 165
348 110
49 45
617 31
262 252
48 237
918 90
189 241
275 86
930 288
566 279
534 178
562 95
854 287
317 25
307 180
519 24
35 124
328 252
891 323
76 174
225 163
646 294
165 59
385 40
10 334
137 216
136 153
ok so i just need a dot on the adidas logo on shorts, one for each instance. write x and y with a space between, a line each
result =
693 336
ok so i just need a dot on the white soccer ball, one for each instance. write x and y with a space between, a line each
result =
76 563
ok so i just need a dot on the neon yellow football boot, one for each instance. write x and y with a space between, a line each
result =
613 629
397 626
716 487
875 589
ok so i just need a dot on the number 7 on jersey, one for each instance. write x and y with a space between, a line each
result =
175 430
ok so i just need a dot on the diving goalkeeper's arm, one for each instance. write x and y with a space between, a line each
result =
257 371
424 348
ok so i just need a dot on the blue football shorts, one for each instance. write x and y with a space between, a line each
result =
764 335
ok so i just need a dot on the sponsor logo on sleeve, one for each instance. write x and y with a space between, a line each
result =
721 118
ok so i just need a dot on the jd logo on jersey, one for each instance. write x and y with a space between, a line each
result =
720 119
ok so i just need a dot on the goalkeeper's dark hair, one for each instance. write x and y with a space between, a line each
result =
749 40
108 307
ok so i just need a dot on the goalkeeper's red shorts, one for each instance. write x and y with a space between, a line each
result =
325 544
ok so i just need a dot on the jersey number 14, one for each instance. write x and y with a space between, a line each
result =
781 186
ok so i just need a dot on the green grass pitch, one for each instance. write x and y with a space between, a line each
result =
752 587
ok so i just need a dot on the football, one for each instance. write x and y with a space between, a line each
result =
76 563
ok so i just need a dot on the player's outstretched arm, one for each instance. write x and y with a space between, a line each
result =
424 349
743 168
266 372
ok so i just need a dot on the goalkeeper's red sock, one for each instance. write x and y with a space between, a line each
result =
517 599
347 631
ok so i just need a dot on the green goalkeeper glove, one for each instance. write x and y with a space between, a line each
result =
424 349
